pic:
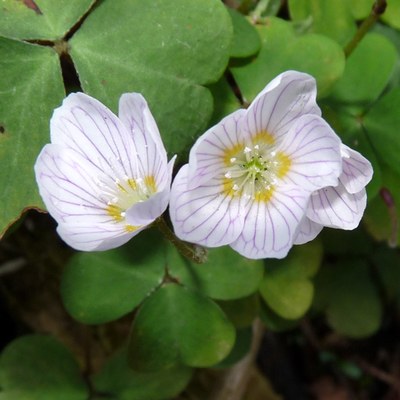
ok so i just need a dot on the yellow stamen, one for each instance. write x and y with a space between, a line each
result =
228 187
132 183
264 137
232 152
131 228
115 212
284 163
265 195
150 183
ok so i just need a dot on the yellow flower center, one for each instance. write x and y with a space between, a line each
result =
124 193
253 170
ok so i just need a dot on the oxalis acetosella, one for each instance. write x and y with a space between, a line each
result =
270 176
260 181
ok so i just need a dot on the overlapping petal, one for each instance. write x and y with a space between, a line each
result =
136 116
308 230
144 213
85 125
207 156
270 228
335 207
357 170
342 206
313 149
285 99
205 215
67 185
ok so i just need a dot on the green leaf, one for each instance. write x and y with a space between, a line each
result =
30 88
40 19
382 124
98 287
347 122
387 263
392 14
246 40
225 101
331 18
340 242
37 367
239 350
361 8
225 276
315 54
367 71
378 220
241 312
176 326
273 321
118 379
162 50
286 287
348 293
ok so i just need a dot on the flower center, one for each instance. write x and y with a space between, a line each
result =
254 170
122 192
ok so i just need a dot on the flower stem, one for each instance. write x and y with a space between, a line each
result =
192 252
377 10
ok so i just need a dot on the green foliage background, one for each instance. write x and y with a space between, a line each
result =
195 62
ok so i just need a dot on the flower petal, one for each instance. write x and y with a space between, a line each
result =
67 185
91 237
205 215
335 207
85 125
357 170
313 149
270 228
145 212
208 153
308 231
286 98
136 116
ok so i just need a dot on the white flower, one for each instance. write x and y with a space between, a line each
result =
341 206
103 178
250 178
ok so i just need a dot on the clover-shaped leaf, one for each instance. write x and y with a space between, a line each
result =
164 54
123 383
347 293
37 367
30 88
312 53
287 287
98 287
40 19
225 276
176 325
